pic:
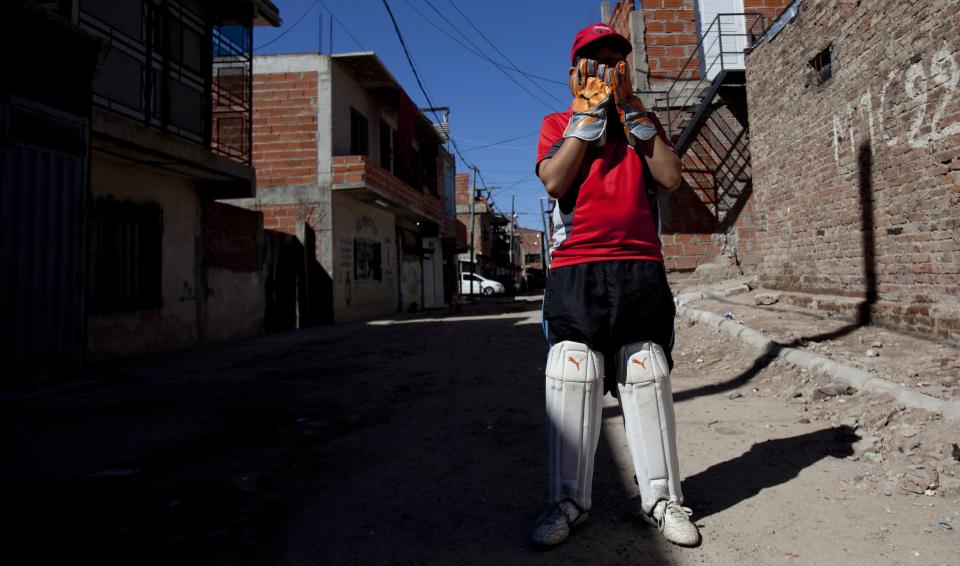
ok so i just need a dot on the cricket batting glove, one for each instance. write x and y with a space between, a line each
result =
633 115
593 86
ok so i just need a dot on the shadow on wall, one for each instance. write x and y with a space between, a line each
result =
299 293
864 315
685 212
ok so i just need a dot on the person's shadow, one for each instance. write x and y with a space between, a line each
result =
766 464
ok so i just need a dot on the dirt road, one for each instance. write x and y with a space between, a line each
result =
420 440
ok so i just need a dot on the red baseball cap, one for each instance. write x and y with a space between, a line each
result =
596 32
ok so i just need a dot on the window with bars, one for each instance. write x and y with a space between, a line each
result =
366 260
125 247
822 66
171 66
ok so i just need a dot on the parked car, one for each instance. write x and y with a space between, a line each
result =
480 285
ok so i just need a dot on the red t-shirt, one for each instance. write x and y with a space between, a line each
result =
610 211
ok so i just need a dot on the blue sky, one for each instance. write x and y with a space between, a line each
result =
485 105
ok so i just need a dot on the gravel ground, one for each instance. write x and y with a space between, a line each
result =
420 439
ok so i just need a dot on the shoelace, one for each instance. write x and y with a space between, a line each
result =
676 511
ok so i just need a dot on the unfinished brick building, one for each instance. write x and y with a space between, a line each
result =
856 161
688 65
357 182
824 158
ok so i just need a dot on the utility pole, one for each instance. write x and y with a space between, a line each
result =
543 248
331 33
473 229
513 219
320 33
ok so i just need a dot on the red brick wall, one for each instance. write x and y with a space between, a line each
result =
285 129
232 237
857 180
671 37
530 244
769 9
671 32
690 219
358 169
463 188
284 217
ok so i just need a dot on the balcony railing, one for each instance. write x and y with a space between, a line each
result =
176 71
718 50
359 172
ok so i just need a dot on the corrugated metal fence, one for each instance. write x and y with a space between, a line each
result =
43 188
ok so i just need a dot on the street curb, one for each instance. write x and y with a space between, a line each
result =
815 363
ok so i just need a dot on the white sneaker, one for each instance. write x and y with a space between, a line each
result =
554 525
674 522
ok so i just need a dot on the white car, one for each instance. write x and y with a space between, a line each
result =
481 285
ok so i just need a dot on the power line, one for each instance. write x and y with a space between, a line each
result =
500 146
506 74
300 19
501 53
479 53
289 29
336 19
423 89
515 183
498 143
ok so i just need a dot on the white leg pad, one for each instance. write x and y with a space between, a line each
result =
647 403
574 394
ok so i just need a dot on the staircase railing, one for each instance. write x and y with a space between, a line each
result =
685 91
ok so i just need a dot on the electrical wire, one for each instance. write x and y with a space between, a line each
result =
479 54
336 19
501 53
498 143
514 184
506 74
423 89
303 15
289 29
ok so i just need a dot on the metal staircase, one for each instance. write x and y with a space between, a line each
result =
706 113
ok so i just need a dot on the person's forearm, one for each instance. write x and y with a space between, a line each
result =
559 171
664 163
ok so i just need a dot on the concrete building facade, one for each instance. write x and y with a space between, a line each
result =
351 168
147 109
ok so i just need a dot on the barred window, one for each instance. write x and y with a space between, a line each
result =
125 246
366 260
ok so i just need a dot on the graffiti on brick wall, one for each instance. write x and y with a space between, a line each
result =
926 89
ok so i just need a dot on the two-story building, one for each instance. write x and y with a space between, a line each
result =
350 166
122 122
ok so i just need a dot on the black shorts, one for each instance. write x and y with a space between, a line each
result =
608 304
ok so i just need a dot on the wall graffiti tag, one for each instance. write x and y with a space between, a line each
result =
367 223
927 87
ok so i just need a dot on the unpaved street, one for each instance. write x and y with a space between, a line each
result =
420 439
